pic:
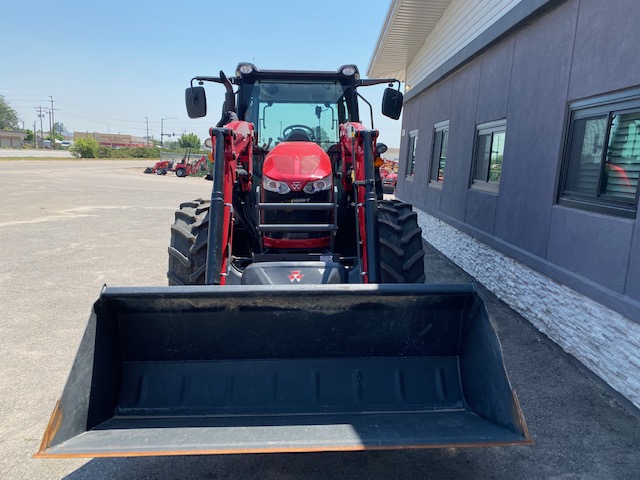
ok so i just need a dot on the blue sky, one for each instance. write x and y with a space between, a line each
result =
108 65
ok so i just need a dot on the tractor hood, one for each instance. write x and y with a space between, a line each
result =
296 164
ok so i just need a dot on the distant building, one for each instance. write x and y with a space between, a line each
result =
11 139
113 140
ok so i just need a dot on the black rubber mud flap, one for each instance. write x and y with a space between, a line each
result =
213 370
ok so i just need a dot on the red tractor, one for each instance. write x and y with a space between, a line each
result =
160 168
282 329
292 188
389 182
190 167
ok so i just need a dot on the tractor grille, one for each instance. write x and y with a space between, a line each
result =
297 216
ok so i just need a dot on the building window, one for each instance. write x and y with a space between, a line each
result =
439 154
411 153
490 138
602 157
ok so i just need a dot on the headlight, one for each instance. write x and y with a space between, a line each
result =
275 185
317 186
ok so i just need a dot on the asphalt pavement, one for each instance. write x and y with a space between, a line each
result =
68 227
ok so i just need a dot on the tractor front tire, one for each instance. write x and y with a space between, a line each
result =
401 250
180 172
188 247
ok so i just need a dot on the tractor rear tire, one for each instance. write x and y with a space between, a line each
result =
188 247
181 172
401 250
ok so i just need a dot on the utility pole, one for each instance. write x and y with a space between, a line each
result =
50 128
53 124
147 119
40 115
35 136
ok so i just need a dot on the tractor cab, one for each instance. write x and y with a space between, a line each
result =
288 106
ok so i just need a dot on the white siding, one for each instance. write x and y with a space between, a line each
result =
461 23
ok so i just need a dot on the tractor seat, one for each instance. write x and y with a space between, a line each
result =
298 135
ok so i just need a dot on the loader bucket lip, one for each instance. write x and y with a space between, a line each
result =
206 290
294 368
330 433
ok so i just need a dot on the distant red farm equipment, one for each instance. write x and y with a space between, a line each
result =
186 166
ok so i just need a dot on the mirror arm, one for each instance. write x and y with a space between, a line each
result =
229 97
200 80
367 82
370 108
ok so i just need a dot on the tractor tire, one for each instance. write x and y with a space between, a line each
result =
401 250
181 172
188 247
159 171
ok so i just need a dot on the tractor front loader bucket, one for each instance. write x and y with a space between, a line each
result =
212 370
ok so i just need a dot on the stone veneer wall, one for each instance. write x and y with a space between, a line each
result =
603 340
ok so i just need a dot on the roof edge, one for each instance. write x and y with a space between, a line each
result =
394 5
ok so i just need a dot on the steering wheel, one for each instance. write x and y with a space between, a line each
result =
291 130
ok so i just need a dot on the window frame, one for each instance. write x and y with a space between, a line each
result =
436 158
411 154
604 106
483 129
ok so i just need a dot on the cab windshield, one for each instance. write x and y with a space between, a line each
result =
303 111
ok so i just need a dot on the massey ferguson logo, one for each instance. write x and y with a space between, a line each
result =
295 276
296 186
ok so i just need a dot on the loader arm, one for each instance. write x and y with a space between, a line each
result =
231 144
358 144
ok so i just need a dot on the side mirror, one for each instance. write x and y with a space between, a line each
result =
381 148
392 103
196 101
208 143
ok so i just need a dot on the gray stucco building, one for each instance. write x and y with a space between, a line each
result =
521 150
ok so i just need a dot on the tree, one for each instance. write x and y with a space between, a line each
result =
59 127
86 147
190 140
8 116
29 136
